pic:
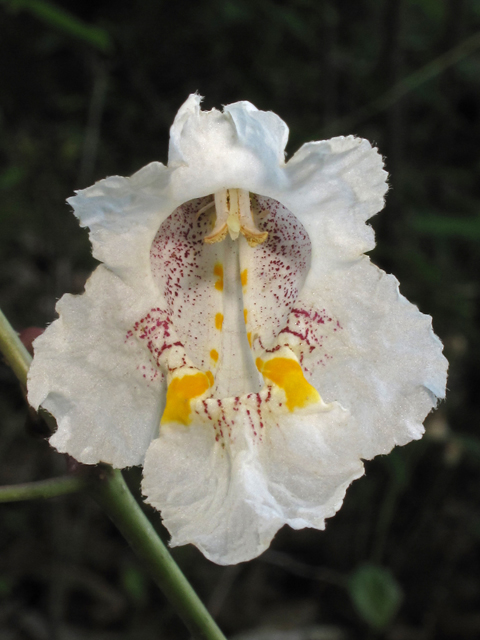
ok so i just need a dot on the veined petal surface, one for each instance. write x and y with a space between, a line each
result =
98 385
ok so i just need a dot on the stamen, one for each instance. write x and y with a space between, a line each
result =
233 216
233 221
248 228
208 206
220 229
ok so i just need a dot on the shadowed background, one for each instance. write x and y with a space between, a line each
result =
89 89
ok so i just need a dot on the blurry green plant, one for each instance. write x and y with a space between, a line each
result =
375 594
64 21
448 226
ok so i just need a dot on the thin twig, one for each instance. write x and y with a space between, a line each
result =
408 84
94 121
113 495
41 489
13 350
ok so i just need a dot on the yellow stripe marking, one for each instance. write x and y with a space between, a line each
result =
180 393
244 277
218 271
288 375
214 355
219 321
245 314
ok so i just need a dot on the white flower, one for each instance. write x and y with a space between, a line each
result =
235 340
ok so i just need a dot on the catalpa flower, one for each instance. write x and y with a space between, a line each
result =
235 341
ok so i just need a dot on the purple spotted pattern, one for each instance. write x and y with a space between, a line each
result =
183 269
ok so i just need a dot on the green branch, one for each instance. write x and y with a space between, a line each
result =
113 495
108 488
61 19
14 352
42 489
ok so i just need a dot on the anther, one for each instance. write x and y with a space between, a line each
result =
233 216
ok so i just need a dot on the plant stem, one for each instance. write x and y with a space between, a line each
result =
42 489
13 350
113 495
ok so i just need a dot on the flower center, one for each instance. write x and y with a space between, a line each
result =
233 216
223 328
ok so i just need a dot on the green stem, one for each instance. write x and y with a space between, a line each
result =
42 489
114 497
13 350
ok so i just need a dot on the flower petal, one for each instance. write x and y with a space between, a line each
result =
202 289
273 273
123 215
208 495
189 276
262 131
310 460
244 468
334 187
239 148
100 387
373 352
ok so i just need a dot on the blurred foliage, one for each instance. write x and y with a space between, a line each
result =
375 594
89 89
58 18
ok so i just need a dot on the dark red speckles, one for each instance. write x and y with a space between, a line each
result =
279 264
182 267
183 270
310 328
156 331
252 424
205 407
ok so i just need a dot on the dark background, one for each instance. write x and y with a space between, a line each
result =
91 93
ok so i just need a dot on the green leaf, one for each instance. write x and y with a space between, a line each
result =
11 177
64 21
432 8
376 595
135 584
448 226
